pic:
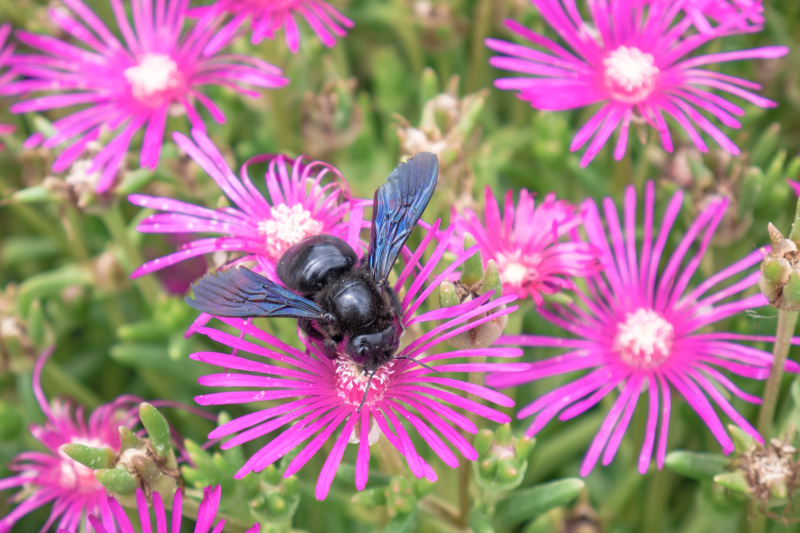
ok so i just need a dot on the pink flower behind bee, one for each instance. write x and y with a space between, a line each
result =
127 86
632 61
306 198
51 476
267 17
526 243
728 15
640 329
322 395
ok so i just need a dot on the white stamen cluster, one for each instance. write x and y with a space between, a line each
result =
155 73
287 227
644 340
630 74
516 270
351 381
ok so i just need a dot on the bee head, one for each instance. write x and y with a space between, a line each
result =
371 350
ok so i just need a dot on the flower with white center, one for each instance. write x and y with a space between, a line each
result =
631 59
535 246
319 395
305 198
51 476
126 86
640 329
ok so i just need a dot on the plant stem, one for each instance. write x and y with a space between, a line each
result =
115 224
391 461
482 20
76 239
783 341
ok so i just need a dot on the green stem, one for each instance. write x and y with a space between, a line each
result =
77 242
787 320
391 461
482 21
756 522
115 224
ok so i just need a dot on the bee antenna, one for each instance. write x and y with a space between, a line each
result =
420 363
366 391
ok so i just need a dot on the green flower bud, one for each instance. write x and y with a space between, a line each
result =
483 441
488 466
276 504
503 435
491 280
507 470
523 447
117 480
370 497
448 297
780 280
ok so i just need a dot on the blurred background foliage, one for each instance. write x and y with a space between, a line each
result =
411 75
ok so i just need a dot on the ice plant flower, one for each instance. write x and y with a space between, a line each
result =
205 514
633 62
159 70
743 15
640 329
324 395
5 54
524 241
306 198
51 476
268 16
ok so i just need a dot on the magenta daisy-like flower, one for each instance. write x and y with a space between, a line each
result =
52 477
633 62
306 198
524 241
205 514
124 87
744 15
268 16
5 53
642 330
323 395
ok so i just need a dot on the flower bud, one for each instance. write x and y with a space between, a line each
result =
503 459
780 279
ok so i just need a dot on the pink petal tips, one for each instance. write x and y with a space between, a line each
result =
642 330
267 17
319 396
632 60
127 86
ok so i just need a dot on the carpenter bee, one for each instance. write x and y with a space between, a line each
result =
345 303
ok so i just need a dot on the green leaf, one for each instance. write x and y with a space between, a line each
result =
94 458
529 503
697 465
117 480
766 145
133 181
35 194
157 429
402 524
472 268
479 522
734 481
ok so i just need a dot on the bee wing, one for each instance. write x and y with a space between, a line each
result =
397 207
240 292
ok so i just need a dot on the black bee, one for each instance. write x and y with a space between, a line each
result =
347 304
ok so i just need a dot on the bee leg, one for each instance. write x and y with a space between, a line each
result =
307 327
420 363
330 345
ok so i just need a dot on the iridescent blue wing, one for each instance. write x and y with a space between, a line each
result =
398 205
240 292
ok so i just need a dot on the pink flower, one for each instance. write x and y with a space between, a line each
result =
629 60
638 330
52 476
205 514
269 16
795 185
126 87
744 15
5 53
300 205
524 242
324 395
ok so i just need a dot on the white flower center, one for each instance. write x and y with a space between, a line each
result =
155 75
516 270
644 340
287 227
630 74
351 382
